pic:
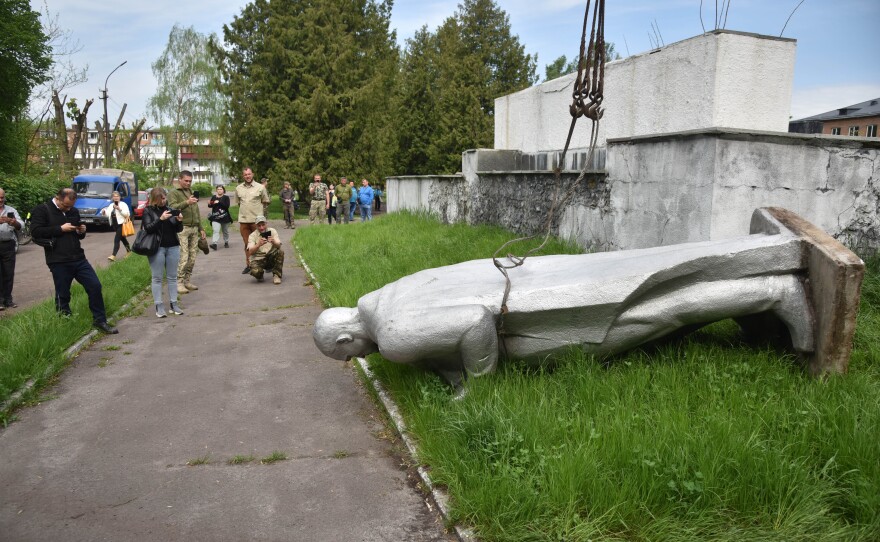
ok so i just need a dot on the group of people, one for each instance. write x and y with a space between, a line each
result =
340 201
177 220
174 217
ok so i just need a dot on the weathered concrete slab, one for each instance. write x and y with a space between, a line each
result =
834 274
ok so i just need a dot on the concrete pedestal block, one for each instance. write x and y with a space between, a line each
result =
834 283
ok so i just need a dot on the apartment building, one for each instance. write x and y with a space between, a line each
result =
858 120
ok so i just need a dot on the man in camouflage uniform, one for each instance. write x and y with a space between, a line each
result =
343 194
320 195
251 197
264 250
182 198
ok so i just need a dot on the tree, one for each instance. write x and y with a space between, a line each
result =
307 84
55 151
459 71
24 61
562 66
415 103
187 103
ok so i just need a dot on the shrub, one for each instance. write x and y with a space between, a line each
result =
204 189
24 192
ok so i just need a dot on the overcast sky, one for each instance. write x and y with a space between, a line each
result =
837 62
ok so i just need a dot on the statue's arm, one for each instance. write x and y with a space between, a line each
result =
451 338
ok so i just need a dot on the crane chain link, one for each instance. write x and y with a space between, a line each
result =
587 96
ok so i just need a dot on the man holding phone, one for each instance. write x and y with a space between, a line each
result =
58 220
10 223
264 251
184 200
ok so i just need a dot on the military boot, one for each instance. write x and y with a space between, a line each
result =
187 281
181 288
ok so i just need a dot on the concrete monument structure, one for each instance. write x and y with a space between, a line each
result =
694 137
449 319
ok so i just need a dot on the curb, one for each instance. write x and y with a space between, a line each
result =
439 496
15 400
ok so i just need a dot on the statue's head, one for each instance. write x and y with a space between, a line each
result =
340 334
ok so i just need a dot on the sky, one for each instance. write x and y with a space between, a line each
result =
836 62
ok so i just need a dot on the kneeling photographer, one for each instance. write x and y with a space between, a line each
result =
264 251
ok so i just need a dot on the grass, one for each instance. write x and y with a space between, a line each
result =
705 438
33 341
273 457
203 460
241 459
395 246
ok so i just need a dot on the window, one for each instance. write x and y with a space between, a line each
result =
854 130
145 136
835 131
871 130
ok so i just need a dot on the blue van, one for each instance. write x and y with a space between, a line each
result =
93 190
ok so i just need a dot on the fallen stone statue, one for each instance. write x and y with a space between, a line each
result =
787 275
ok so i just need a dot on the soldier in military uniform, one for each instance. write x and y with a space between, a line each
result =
320 195
264 251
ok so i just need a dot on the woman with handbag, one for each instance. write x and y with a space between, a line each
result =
162 222
219 217
118 213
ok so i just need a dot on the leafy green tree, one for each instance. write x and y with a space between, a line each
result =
24 62
449 83
416 104
308 84
187 103
562 66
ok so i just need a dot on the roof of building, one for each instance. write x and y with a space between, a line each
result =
870 108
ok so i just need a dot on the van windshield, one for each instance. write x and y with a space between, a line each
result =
93 190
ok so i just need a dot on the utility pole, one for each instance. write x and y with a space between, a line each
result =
108 158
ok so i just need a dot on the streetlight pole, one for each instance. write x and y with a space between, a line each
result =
108 159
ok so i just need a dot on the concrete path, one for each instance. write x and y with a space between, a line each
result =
106 458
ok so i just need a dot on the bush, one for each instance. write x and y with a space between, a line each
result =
204 189
24 192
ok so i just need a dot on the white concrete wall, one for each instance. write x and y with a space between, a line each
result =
721 79
671 188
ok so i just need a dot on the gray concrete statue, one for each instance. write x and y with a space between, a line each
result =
445 319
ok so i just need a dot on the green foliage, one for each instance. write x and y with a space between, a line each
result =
205 190
25 58
307 84
187 102
559 67
146 177
706 438
33 340
448 83
397 245
24 192
562 66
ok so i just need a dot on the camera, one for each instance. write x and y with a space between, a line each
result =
196 194
10 215
174 212
266 234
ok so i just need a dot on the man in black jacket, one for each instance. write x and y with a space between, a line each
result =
57 220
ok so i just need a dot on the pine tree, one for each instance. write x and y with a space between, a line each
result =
318 76
449 83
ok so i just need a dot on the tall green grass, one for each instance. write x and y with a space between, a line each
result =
353 259
705 438
33 341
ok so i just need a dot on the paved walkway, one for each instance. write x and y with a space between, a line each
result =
106 457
